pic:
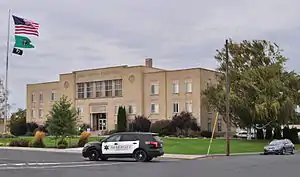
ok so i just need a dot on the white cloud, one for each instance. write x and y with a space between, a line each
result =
76 35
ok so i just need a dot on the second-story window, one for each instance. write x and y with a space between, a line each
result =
32 97
155 88
118 87
53 96
80 90
89 90
175 87
188 86
108 88
100 89
41 99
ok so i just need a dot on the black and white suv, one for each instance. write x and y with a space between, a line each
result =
142 146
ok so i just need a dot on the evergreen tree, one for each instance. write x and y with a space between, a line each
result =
121 122
63 118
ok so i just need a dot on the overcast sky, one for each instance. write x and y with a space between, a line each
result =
76 34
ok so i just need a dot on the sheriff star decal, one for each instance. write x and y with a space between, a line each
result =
106 147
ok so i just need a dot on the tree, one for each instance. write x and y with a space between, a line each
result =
122 120
141 124
63 118
17 123
262 91
183 122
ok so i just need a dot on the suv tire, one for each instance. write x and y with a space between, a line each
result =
94 155
140 155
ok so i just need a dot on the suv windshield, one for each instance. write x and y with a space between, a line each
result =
275 143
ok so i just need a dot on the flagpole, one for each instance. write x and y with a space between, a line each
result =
6 73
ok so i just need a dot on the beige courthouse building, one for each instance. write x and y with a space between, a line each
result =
144 90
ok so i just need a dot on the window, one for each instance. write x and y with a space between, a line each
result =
100 89
155 88
53 96
89 90
209 125
80 110
108 88
132 109
113 138
32 113
175 107
175 87
129 138
32 97
189 106
40 113
188 86
154 108
80 90
219 125
41 98
118 87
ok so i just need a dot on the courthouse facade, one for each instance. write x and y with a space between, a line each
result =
144 90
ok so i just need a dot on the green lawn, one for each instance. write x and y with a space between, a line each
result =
185 146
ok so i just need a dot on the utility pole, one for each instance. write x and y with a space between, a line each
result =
227 102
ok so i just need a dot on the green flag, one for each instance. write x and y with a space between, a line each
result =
23 42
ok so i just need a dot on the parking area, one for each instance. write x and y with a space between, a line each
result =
48 164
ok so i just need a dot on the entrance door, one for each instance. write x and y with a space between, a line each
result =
100 121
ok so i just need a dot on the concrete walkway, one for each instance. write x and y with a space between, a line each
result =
78 151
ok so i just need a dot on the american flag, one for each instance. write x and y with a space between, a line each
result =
24 26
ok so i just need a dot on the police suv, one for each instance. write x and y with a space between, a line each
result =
142 146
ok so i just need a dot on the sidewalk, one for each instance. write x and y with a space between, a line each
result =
173 156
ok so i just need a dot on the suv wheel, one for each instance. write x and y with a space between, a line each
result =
140 155
94 155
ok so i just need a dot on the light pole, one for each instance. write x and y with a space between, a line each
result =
227 101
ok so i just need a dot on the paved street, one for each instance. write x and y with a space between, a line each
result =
48 164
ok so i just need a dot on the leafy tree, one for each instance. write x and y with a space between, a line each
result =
122 120
160 127
17 123
262 91
183 122
62 119
141 124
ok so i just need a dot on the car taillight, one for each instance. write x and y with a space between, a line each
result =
155 144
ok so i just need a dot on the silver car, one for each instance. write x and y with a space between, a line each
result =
281 147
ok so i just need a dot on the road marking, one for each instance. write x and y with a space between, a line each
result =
61 166
42 163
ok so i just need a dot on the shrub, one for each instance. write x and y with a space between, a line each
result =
260 134
294 135
62 143
83 127
7 135
17 123
141 124
277 133
286 132
31 126
206 134
83 139
183 121
269 133
19 143
160 127
38 139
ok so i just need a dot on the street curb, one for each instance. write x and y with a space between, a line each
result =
168 156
